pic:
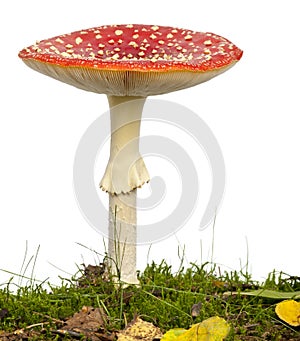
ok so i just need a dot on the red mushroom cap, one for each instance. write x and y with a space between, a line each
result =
135 60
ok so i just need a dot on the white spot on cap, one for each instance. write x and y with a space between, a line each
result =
170 35
98 36
155 28
65 54
188 37
58 40
134 44
207 42
115 56
78 40
118 32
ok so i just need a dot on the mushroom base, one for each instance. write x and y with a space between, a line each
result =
122 237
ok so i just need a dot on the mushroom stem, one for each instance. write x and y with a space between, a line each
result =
126 169
122 237
124 173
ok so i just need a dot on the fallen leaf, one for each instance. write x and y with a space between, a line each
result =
212 329
89 323
276 295
289 312
88 318
173 334
139 330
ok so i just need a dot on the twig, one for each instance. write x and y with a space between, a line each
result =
49 317
22 330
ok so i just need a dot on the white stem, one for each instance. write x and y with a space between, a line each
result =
126 169
124 173
122 236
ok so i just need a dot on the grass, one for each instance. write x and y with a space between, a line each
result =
165 298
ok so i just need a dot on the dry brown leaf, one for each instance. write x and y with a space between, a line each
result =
139 330
88 318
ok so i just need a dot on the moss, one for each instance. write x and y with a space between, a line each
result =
164 298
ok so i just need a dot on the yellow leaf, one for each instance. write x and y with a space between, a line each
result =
172 334
289 312
212 329
217 328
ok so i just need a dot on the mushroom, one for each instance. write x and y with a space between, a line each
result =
129 63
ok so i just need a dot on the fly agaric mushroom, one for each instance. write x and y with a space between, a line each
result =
129 63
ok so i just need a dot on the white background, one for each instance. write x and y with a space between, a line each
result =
253 110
